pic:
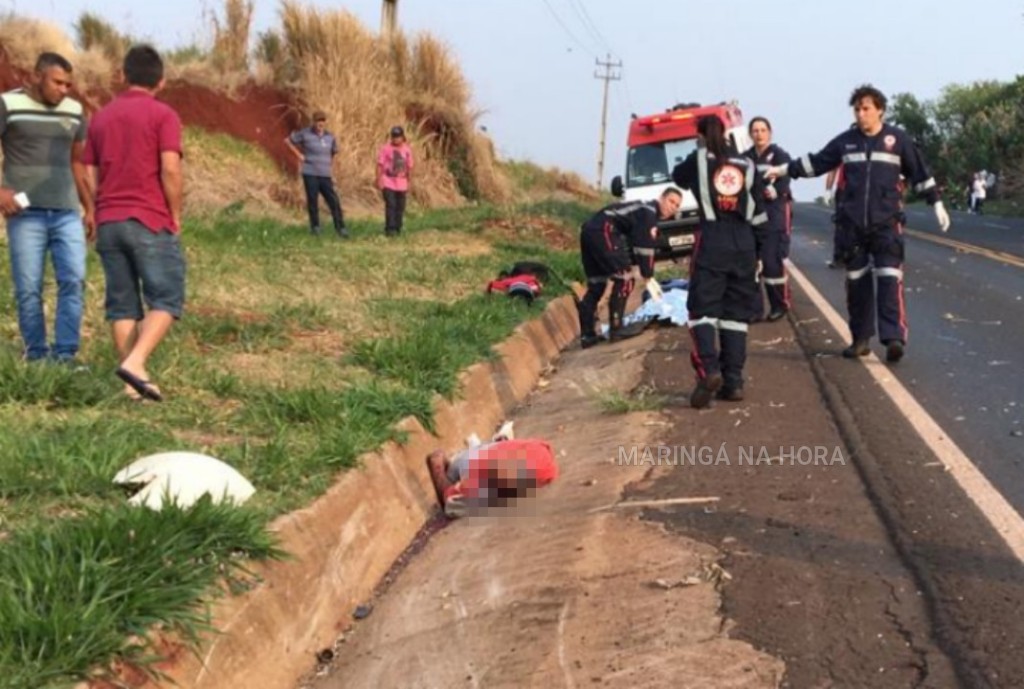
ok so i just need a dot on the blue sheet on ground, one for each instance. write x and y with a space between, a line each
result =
671 307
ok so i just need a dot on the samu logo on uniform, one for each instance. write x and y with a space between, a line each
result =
728 181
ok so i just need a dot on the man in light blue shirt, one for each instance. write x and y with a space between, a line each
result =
315 148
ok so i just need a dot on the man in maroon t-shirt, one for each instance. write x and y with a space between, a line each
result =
133 153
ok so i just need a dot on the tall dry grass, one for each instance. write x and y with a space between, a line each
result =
367 84
231 36
24 38
93 32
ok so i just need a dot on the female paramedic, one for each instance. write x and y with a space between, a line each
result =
723 268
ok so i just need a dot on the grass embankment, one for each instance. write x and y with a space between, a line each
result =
297 354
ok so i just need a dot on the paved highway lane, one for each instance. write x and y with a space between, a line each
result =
988 232
965 361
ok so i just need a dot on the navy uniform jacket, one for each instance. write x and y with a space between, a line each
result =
729 193
636 223
872 165
774 155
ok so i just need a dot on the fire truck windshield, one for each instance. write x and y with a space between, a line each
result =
653 163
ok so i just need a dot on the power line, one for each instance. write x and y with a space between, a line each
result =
591 25
565 28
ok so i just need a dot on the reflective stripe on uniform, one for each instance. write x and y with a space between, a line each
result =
889 273
889 158
601 278
625 210
855 158
713 322
749 185
925 185
643 252
858 274
705 191
776 281
805 162
735 326
759 219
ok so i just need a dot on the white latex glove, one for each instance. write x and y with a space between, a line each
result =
760 269
655 290
942 216
775 171
771 193
829 197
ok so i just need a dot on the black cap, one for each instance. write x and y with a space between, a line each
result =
397 131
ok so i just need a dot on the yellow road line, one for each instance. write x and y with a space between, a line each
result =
1000 256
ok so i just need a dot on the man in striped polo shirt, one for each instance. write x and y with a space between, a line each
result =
43 133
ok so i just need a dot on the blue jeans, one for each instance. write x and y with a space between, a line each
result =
30 234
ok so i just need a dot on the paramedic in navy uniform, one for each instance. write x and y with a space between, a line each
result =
614 240
775 234
870 219
723 268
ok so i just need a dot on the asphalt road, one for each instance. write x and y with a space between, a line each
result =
965 360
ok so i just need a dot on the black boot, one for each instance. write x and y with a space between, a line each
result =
732 357
705 390
893 351
730 394
617 313
858 348
587 308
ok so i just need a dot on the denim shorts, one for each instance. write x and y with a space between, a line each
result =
141 265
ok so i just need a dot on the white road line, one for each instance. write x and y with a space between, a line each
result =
1000 514
997 226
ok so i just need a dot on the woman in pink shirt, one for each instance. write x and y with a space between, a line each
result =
394 169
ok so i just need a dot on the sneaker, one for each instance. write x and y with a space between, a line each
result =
776 315
705 390
893 351
858 348
588 341
730 394
342 232
315 231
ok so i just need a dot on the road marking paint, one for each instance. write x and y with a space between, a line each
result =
998 226
999 513
1000 256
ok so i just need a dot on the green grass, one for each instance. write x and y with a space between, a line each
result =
296 356
445 339
640 400
80 590
225 146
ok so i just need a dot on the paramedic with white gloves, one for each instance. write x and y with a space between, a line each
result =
870 217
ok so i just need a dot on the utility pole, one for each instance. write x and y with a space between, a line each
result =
388 18
608 76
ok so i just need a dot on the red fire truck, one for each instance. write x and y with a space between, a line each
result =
657 143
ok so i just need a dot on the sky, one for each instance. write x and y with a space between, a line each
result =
531 62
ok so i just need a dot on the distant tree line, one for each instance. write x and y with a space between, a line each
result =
971 127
